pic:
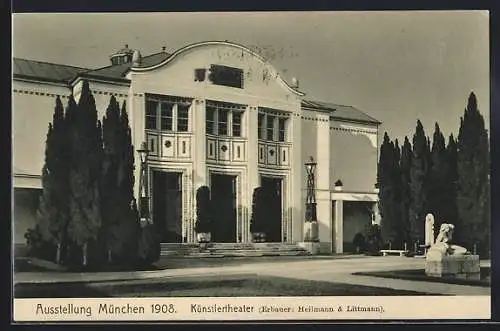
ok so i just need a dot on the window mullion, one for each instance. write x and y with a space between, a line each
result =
275 128
158 116
174 117
230 123
216 121
264 127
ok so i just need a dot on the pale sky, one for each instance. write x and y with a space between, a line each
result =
395 66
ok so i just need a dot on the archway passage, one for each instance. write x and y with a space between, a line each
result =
167 205
224 206
272 188
357 219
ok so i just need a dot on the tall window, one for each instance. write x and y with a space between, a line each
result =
224 121
281 129
182 118
270 127
223 118
261 126
151 114
237 124
166 116
210 120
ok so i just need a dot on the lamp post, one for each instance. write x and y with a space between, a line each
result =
143 185
311 238
311 191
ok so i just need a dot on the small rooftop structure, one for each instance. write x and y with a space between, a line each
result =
123 55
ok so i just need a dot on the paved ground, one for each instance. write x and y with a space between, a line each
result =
321 269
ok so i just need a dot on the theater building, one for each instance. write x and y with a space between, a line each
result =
215 114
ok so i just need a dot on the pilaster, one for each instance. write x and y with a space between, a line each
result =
339 226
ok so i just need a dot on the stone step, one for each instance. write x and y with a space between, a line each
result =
232 249
242 254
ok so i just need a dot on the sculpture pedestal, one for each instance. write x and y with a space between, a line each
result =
311 247
311 231
311 238
453 266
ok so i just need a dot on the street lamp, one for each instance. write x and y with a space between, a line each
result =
311 191
143 184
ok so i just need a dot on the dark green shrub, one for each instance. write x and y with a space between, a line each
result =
359 242
149 245
373 240
258 220
203 214
37 247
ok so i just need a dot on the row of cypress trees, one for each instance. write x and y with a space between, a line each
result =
87 209
451 181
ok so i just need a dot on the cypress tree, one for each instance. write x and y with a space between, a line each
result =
473 191
450 213
398 227
438 176
120 225
388 183
110 192
419 171
405 164
52 212
130 227
84 176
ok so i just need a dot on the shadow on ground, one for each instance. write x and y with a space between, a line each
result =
212 286
28 264
419 275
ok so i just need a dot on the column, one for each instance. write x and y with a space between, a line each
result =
199 144
251 126
298 178
135 108
339 226
323 180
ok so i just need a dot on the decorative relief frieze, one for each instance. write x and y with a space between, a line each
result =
42 93
121 95
226 150
169 146
39 93
273 154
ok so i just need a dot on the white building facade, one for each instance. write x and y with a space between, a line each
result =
214 114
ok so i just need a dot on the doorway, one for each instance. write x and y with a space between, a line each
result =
272 187
167 205
223 197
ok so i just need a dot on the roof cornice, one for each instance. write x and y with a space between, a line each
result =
30 79
342 119
225 43
100 79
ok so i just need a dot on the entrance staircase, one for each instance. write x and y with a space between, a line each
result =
232 250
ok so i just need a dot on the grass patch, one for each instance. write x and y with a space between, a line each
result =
212 286
419 275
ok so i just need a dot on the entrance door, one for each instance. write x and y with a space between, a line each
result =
223 197
273 190
167 205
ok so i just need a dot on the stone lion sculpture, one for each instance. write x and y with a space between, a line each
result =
443 245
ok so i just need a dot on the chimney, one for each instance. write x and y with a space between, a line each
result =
164 49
